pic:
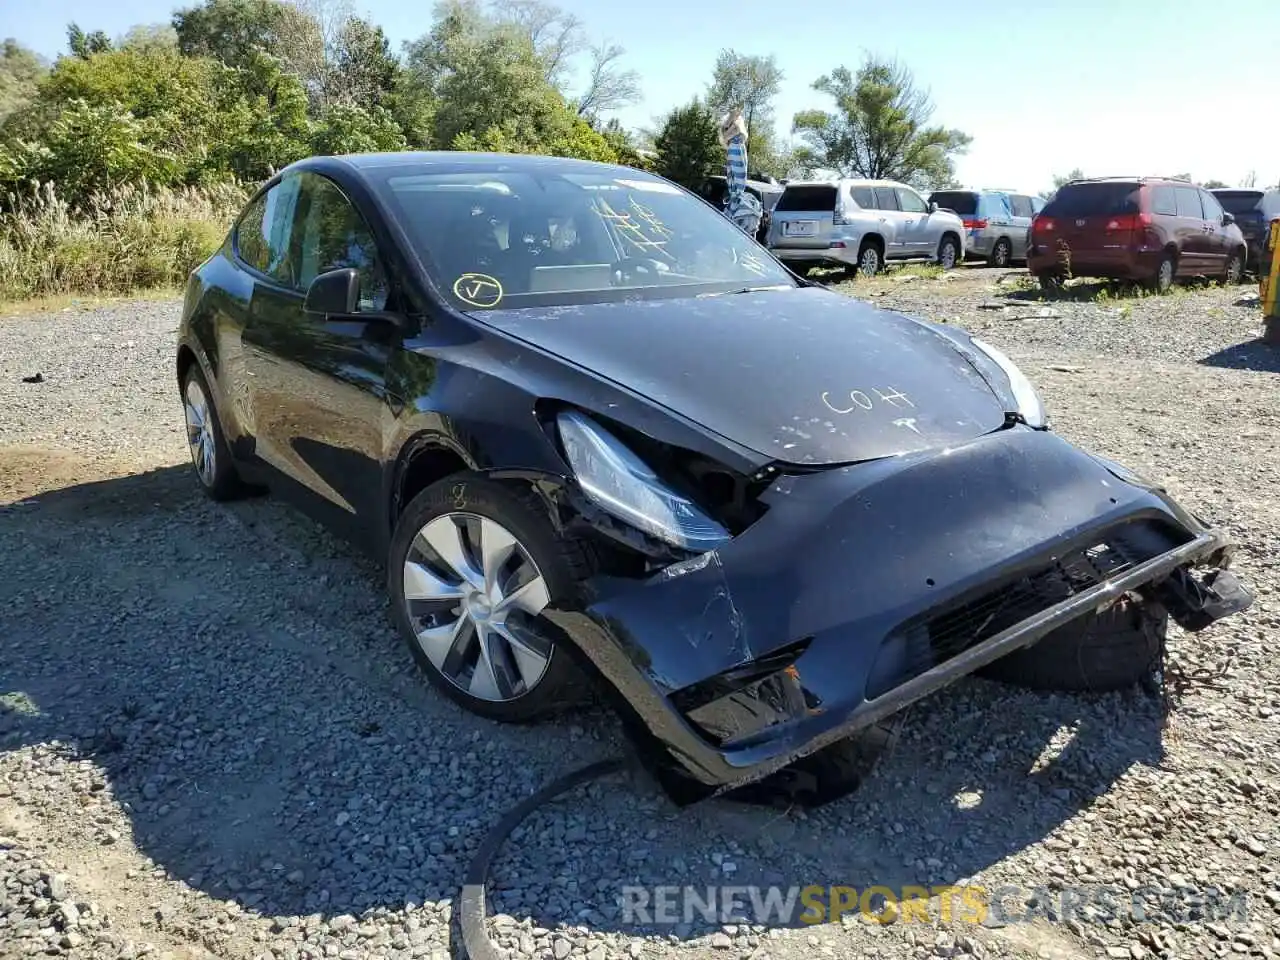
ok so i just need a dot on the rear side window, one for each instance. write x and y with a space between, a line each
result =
864 198
1093 200
1188 199
1022 206
886 198
808 198
961 201
1163 202
264 234
996 205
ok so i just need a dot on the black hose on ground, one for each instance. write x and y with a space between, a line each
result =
476 944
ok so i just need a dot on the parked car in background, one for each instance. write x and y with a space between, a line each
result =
998 222
1254 210
715 189
861 224
1149 229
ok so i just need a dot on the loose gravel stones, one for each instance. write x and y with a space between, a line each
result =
212 744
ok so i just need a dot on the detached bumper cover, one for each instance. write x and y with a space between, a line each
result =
866 588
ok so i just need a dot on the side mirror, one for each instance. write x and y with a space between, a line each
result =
336 293
1228 219
933 207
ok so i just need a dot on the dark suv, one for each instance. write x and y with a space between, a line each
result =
1150 229
1254 210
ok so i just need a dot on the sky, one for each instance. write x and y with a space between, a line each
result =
1127 87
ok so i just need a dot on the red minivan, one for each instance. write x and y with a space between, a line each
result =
1149 229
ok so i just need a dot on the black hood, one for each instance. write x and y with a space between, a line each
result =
802 376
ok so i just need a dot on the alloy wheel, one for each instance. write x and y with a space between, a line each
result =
473 594
1164 279
200 439
947 255
1002 254
1235 269
869 262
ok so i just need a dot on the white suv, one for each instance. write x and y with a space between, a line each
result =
861 224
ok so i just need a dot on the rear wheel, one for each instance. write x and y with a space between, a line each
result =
1162 281
1001 254
948 253
1112 650
870 258
206 441
473 565
1235 268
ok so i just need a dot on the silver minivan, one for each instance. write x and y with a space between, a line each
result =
997 223
861 224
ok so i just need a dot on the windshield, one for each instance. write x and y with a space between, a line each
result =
1240 201
498 238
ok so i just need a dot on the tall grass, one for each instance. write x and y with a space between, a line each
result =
127 239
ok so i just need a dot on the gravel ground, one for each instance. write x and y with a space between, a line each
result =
213 745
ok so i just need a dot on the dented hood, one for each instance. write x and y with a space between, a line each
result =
802 375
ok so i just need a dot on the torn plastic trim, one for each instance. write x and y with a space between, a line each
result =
734 763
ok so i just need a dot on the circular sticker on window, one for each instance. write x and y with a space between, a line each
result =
478 289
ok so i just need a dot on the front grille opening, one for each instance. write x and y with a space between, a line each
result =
921 645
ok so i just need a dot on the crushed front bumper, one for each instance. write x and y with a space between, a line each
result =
866 588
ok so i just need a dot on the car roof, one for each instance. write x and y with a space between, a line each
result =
425 159
855 181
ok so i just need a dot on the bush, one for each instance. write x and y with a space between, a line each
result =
116 241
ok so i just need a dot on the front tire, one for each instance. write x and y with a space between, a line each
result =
1235 269
473 564
1098 653
206 441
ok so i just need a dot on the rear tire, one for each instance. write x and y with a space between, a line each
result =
870 258
207 443
1001 254
1112 650
1162 282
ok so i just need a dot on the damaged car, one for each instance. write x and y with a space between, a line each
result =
604 441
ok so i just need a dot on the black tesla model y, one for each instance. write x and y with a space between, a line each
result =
604 440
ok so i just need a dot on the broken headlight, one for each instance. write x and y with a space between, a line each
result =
1030 409
623 485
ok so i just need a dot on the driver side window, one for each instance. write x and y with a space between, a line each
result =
333 235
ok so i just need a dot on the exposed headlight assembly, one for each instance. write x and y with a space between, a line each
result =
1024 394
624 486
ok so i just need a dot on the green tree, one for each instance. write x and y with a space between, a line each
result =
609 86
880 128
363 70
1058 181
85 45
20 71
344 128
688 146
1214 185
751 83
239 32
